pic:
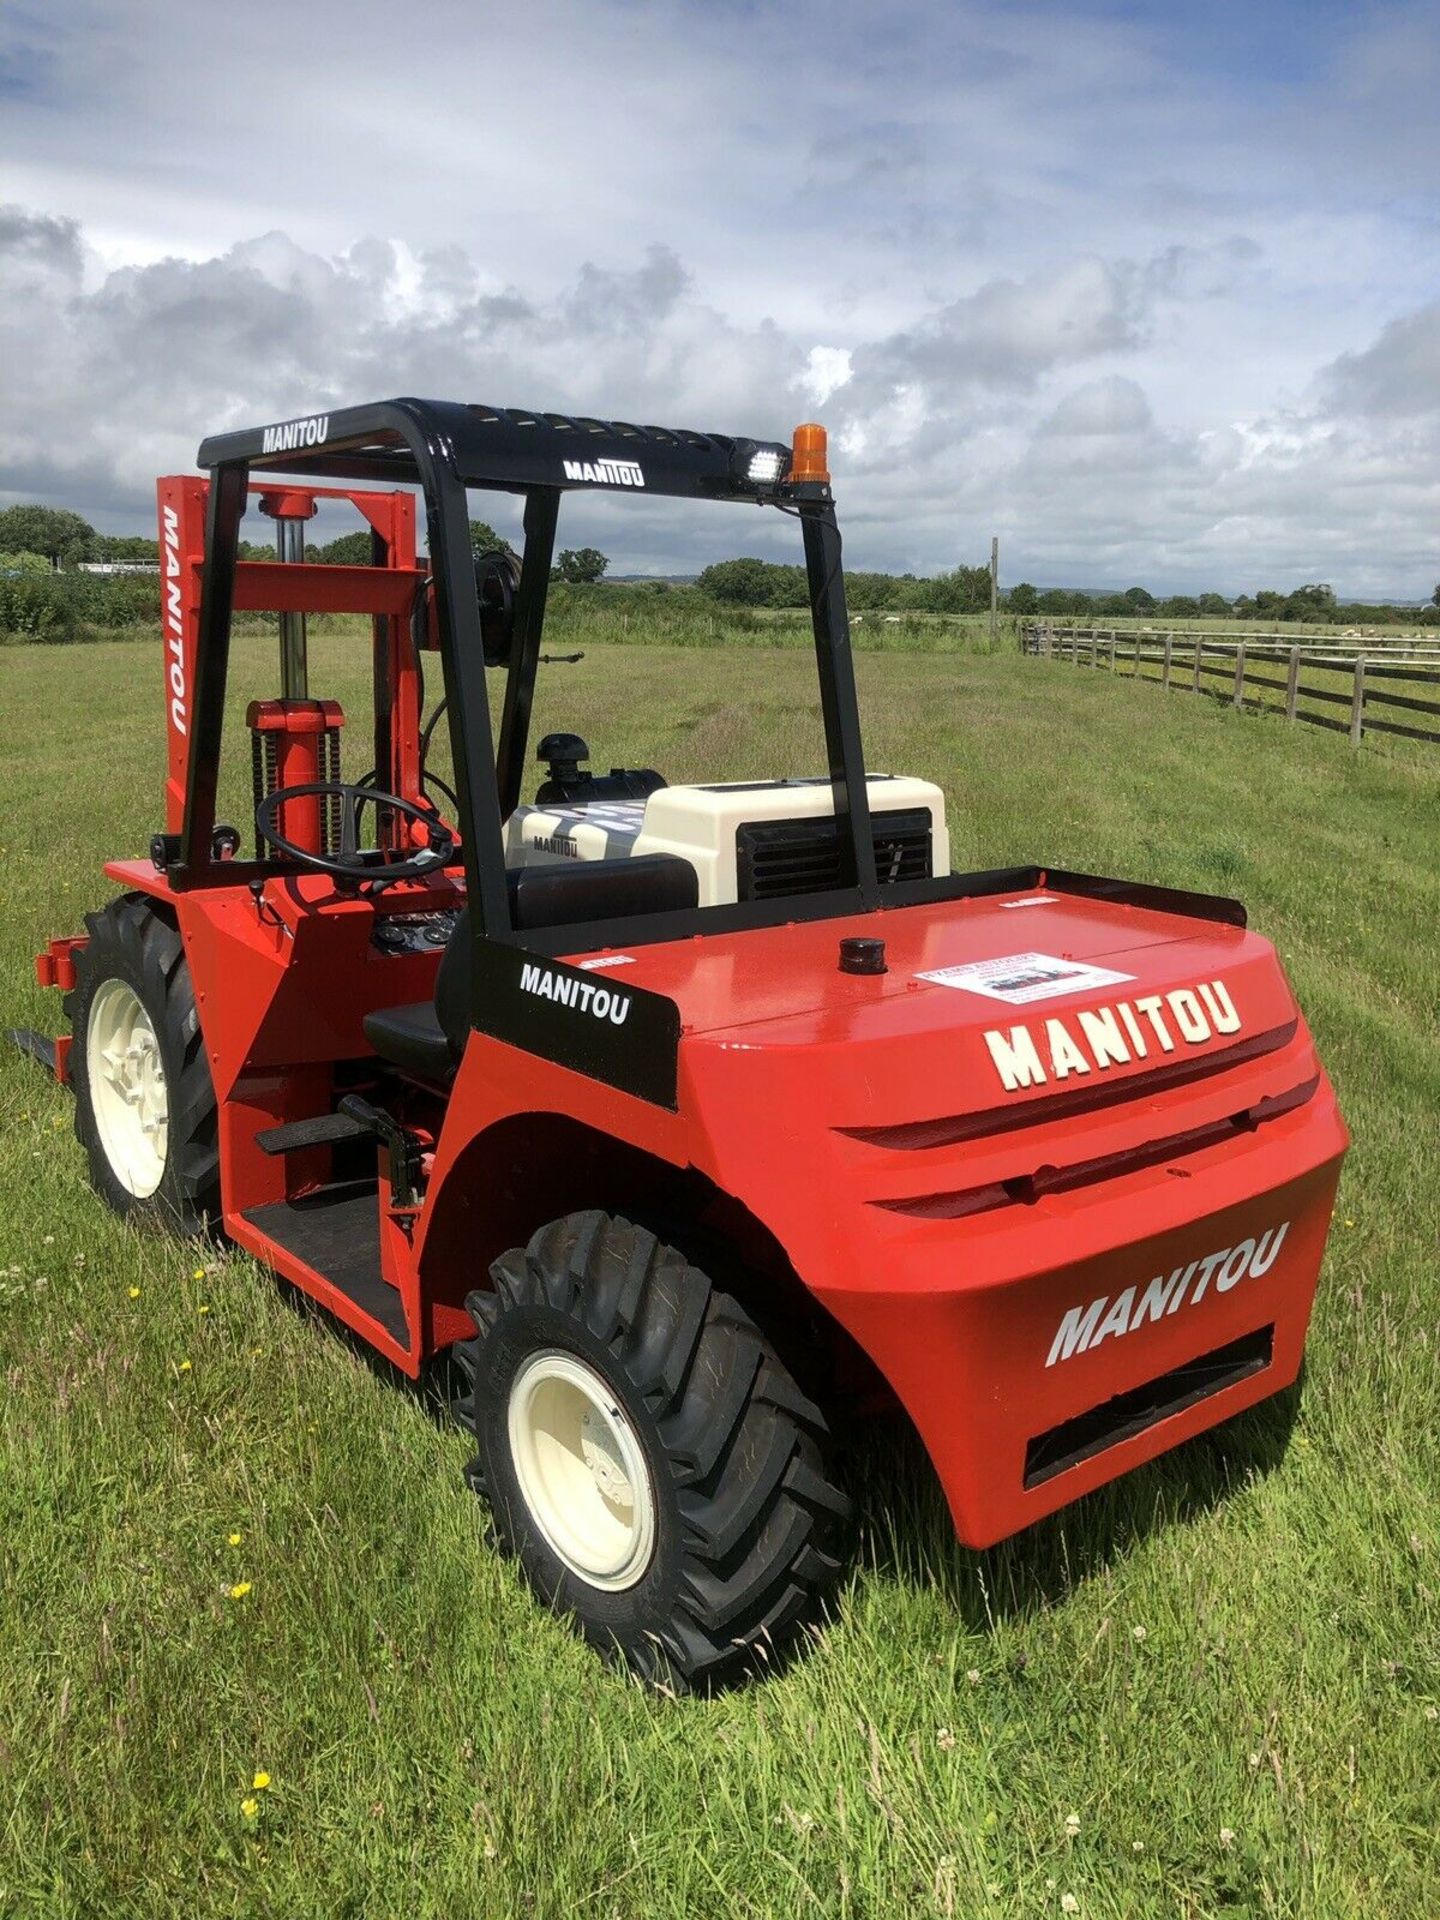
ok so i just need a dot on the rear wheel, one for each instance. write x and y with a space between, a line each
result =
144 1103
647 1458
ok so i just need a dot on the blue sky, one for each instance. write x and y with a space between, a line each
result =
1152 292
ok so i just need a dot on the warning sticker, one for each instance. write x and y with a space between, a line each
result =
1022 977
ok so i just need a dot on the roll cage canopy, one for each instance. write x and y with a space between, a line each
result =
511 448
445 447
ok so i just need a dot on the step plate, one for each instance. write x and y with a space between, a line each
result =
336 1230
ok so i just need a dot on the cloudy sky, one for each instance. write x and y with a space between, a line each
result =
1150 289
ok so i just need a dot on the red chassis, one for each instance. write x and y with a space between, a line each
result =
947 1224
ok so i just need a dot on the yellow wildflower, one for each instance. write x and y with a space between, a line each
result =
133 1292
199 1273
240 1589
249 1806
234 1539
184 1366
261 1781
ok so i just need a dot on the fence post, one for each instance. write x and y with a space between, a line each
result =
1113 638
1165 667
1240 675
1292 684
1094 647
1357 704
1199 651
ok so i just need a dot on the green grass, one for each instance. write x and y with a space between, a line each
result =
1245 1636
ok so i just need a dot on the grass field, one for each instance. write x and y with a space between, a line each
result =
229 1548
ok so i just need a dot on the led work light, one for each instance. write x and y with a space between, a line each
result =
758 464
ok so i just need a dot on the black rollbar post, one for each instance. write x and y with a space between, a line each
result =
542 508
382 678
462 656
838 703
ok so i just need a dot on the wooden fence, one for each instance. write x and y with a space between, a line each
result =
1377 683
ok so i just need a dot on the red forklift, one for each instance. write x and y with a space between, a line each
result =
693 1122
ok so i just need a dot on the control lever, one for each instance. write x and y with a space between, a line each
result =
403 1149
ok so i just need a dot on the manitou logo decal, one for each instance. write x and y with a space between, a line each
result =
174 621
606 473
296 433
605 1003
559 843
1085 1328
1102 1037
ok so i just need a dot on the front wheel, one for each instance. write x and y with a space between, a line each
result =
144 1103
648 1459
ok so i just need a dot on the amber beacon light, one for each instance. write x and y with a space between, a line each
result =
809 459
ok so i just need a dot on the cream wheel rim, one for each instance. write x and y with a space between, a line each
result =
128 1095
581 1470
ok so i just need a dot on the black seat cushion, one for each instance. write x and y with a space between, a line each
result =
565 892
427 1039
412 1038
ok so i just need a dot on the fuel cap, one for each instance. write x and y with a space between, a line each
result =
859 955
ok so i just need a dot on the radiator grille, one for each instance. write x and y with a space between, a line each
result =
779 857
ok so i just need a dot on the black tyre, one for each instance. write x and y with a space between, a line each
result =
144 1103
647 1458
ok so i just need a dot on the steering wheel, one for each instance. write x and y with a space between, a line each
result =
378 865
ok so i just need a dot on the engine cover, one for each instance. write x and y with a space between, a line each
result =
726 831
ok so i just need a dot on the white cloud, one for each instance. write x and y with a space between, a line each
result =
1398 376
826 370
1108 406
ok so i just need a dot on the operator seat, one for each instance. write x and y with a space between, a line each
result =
418 1038
427 1037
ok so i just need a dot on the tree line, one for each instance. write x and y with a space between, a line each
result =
36 538
1315 603
768 583
765 583
63 540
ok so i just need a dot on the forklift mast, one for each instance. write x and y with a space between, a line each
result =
294 739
